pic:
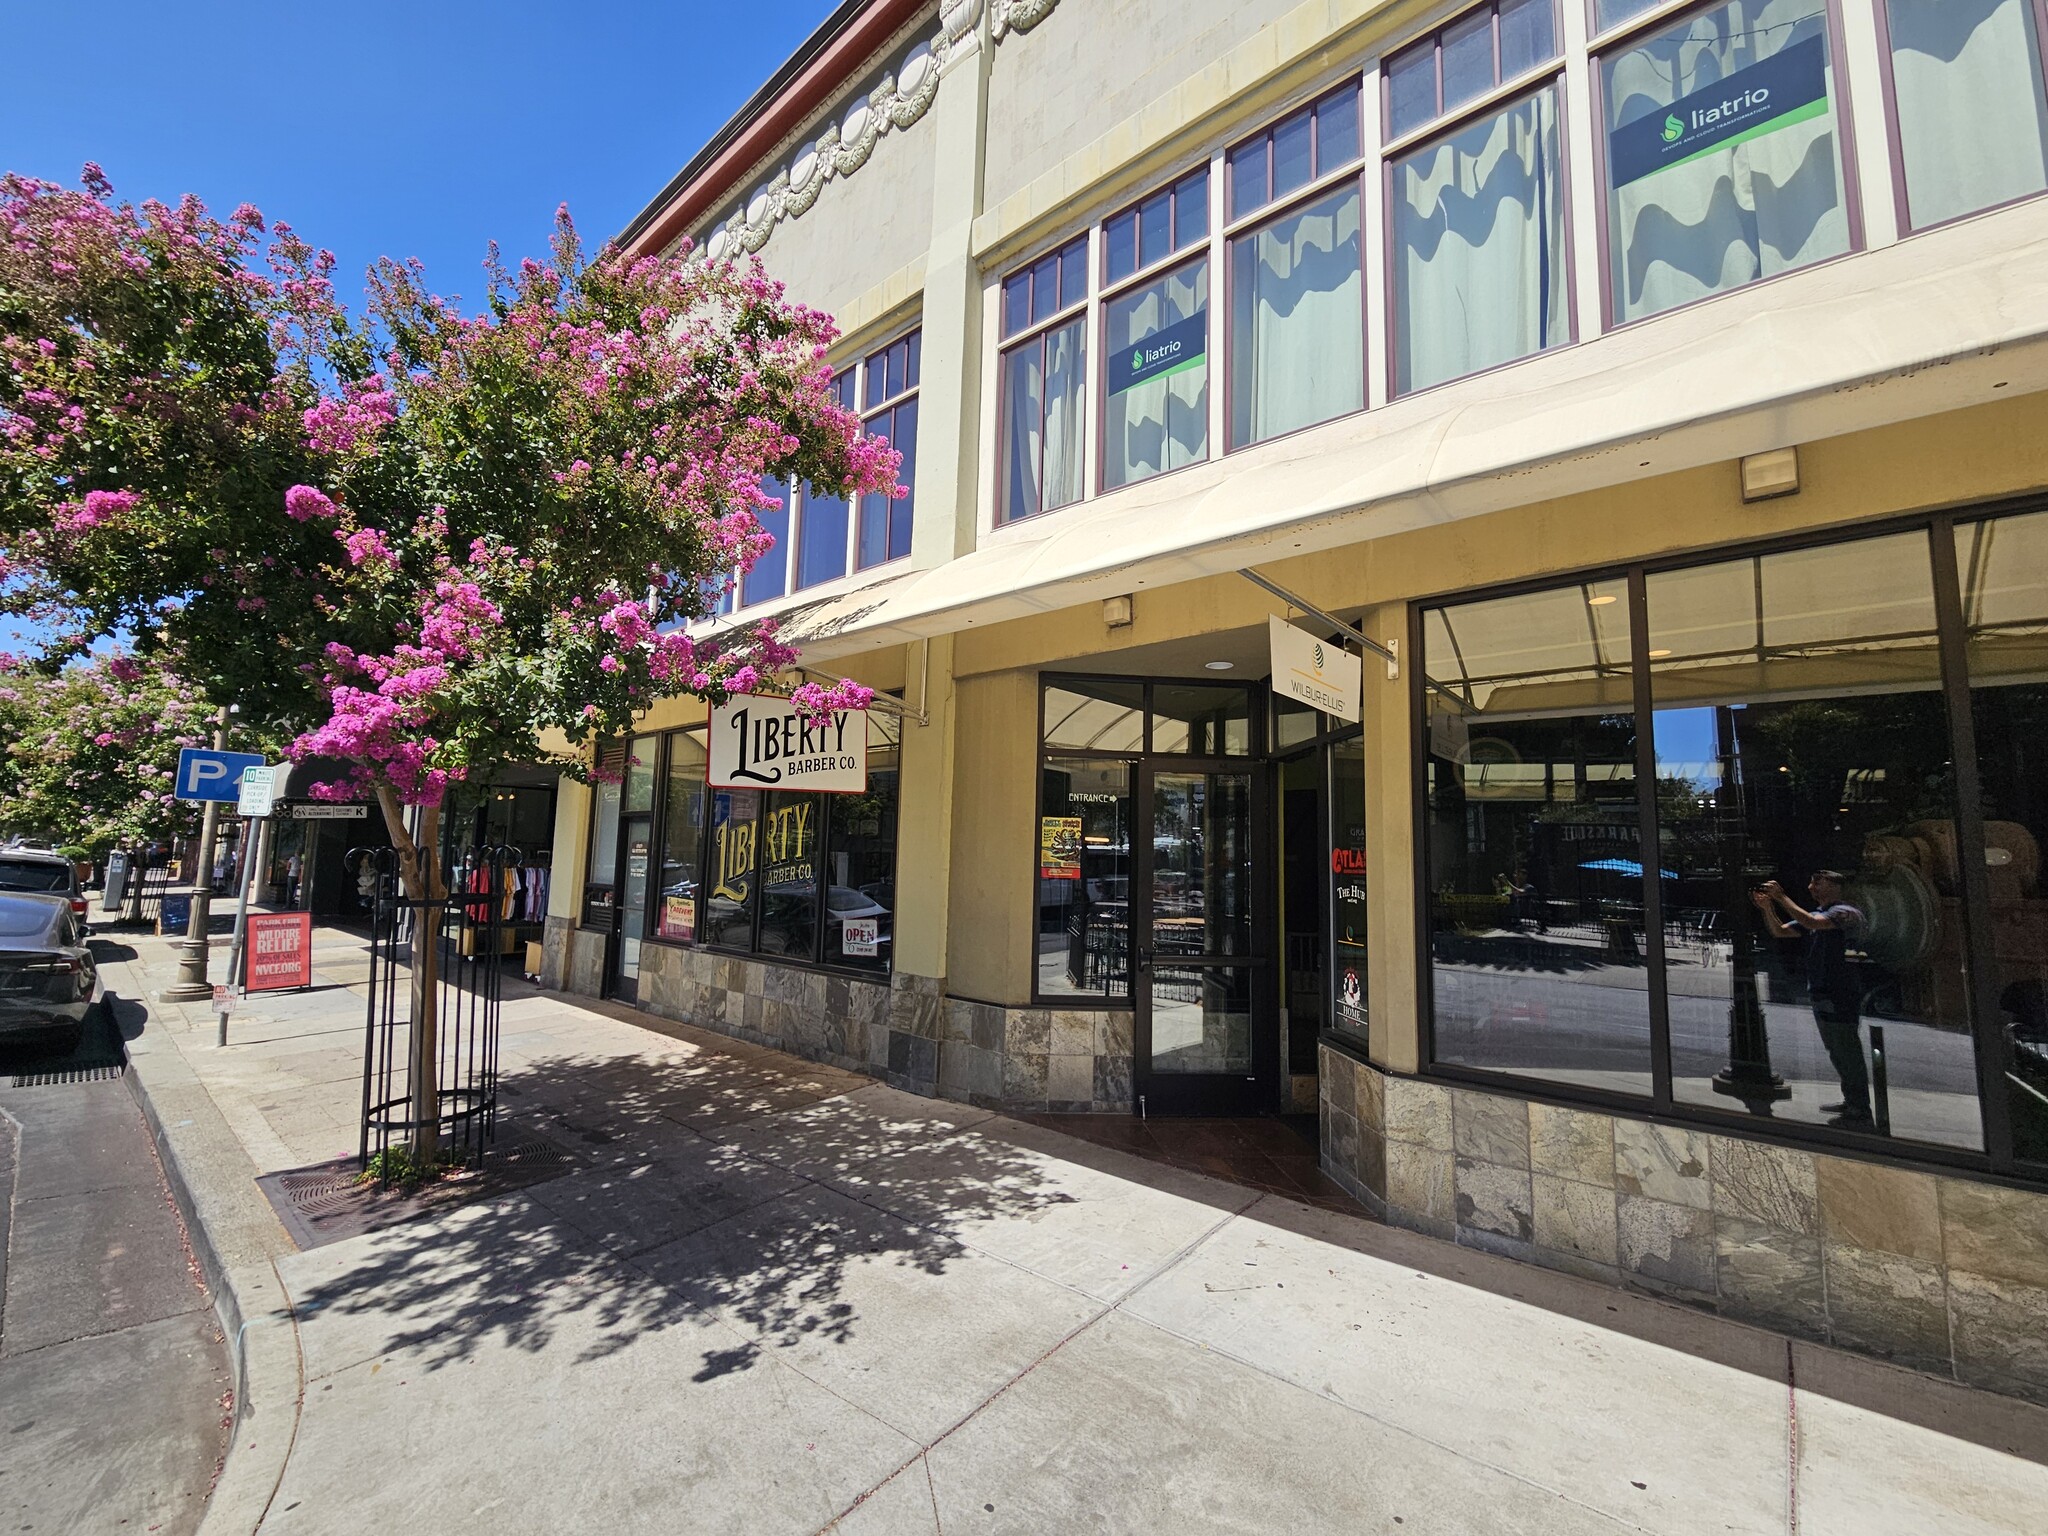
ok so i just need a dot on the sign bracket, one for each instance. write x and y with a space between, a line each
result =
1390 654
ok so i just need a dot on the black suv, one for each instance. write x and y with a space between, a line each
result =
42 872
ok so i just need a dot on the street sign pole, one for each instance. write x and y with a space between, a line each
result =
191 984
251 831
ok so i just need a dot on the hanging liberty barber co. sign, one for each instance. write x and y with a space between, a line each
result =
762 742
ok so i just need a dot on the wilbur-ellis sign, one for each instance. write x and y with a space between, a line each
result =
763 742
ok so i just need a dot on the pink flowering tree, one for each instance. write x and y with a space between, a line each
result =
88 752
426 542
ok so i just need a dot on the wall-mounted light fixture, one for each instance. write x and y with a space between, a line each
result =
1765 475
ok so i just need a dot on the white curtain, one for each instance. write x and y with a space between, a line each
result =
1746 210
1479 247
1066 401
1297 325
1163 423
1971 116
1023 401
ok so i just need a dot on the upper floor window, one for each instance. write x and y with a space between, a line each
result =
1723 153
1156 335
1969 116
1297 279
1479 251
821 520
1043 402
769 579
889 398
1465 60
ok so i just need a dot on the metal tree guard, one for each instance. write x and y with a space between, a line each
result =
467 930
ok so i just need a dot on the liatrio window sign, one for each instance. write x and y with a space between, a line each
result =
1319 674
763 742
1789 87
1183 344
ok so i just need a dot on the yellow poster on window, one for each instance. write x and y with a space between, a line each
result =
1059 847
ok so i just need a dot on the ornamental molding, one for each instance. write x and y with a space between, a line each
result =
902 96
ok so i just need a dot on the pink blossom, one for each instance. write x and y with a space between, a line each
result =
303 503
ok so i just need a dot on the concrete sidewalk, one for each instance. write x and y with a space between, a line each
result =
772 1296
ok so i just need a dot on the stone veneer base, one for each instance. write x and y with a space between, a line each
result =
1942 1274
903 1030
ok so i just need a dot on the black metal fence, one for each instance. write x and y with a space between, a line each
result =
464 936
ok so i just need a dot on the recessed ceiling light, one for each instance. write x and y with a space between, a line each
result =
1219 666
1601 601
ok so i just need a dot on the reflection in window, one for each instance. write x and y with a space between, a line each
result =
1202 720
641 755
789 875
860 893
1537 947
1347 886
1157 409
729 903
682 839
1973 124
1086 716
890 403
1044 406
1297 329
1723 156
769 577
1201 1015
2003 565
1807 812
1479 256
1084 877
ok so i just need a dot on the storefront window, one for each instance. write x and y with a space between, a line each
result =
1157 391
1814 943
1723 155
1348 905
1479 246
1972 120
600 880
790 827
2003 568
1539 963
1084 877
1089 716
682 839
860 896
1201 719
729 904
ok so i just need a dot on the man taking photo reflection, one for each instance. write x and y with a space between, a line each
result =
1828 929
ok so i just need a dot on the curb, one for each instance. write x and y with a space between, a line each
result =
236 1238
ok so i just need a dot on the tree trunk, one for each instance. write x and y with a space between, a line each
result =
421 876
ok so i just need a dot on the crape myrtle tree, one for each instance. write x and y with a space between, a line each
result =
417 540
89 750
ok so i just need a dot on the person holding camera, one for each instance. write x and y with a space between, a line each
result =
1828 928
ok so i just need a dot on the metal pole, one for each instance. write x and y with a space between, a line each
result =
193 952
259 892
251 830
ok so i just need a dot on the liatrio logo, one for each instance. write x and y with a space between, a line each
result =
1673 130
1137 359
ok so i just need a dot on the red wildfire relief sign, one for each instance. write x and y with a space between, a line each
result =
280 951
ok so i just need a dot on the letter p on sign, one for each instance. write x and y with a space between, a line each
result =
204 774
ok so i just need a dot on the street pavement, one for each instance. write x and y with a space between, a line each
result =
113 1372
771 1296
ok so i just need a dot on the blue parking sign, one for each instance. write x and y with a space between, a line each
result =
204 774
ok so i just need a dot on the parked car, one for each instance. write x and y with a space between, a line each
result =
42 872
48 981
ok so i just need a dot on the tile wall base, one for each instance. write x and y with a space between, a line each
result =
1944 1275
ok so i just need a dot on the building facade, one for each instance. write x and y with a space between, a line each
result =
1648 394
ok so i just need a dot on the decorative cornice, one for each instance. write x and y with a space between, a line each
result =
902 96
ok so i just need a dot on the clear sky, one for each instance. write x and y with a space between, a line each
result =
425 129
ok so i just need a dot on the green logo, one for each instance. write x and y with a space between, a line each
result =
1674 130
1137 359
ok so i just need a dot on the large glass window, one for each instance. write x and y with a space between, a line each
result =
734 860
1084 878
2003 567
822 519
1348 902
1536 870
889 392
1972 121
601 864
791 828
1813 925
769 578
1479 245
682 838
1045 383
1723 153
1156 354
860 890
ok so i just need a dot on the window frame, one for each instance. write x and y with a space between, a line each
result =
1997 1160
1895 140
1626 35
1230 231
871 410
1174 262
1034 333
1551 73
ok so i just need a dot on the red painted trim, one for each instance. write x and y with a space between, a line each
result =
825 74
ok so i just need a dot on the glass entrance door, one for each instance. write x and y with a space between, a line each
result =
1206 1030
636 847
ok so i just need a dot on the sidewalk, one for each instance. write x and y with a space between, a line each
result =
771 1296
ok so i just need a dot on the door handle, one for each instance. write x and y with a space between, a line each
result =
1144 960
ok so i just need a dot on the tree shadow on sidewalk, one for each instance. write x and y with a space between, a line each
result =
737 1185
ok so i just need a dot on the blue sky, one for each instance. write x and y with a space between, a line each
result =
426 129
